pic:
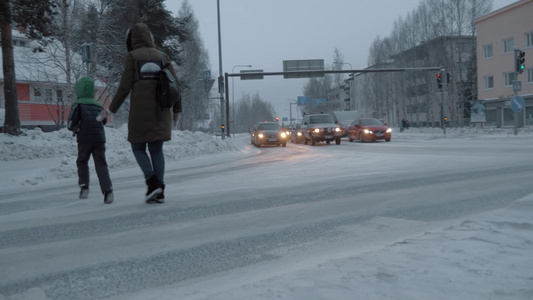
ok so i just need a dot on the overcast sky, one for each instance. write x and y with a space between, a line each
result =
264 33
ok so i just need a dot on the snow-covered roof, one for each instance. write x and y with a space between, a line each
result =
43 67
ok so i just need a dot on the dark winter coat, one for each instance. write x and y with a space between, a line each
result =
82 118
147 122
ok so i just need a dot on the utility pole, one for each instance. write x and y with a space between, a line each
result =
220 77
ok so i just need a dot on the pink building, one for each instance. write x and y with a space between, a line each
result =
42 88
498 35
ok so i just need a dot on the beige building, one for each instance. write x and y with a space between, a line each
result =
498 35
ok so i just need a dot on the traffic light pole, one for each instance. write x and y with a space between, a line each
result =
516 114
442 100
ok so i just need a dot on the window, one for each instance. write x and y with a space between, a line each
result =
19 43
529 39
509 78
530 75
487 51
508 45
42 95
59 94
489 82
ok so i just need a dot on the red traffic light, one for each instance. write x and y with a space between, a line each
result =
438 75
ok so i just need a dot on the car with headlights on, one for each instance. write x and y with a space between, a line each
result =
297 135
321 128
369 129
268 133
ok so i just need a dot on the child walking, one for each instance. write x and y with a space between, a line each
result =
90 135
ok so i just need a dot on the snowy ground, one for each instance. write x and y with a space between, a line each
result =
479 258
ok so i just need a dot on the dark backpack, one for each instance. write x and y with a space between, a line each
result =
168 88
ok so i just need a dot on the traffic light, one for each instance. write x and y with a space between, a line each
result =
439 81
445 119
277 119
520 60
221 84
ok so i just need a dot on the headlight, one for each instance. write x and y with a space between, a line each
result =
367 131
260 135
299 133
389 130
283 135
287 132
337 129
317 130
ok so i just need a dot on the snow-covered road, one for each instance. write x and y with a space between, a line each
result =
374 220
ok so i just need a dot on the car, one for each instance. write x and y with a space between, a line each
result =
345 119
369 129
268 133
297 135
321 127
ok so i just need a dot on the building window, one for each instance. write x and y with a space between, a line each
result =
487 51
529 39
508 45
509 78
489 82
42 95
59 94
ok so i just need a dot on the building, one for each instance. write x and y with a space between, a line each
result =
499 33
44 96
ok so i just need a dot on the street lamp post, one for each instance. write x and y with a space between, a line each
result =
233 94
221 92
351 68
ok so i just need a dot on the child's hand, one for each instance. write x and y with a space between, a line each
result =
103 115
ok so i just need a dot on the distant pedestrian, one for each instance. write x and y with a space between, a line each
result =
148 124
90 135
405 124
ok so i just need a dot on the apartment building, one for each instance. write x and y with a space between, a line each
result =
499 33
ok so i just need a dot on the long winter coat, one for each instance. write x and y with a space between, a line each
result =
82 117
147 122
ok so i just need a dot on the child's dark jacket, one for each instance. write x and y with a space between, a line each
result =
82 118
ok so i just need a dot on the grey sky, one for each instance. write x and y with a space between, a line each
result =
263 33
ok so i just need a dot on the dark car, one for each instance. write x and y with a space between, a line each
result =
321 127
369 129
268 134
297 135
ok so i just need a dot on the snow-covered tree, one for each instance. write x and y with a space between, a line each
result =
193 60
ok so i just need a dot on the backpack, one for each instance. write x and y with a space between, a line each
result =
168 88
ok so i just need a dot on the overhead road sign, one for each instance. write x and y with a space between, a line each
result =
302 66
257 74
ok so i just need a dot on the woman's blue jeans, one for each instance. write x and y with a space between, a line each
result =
153 164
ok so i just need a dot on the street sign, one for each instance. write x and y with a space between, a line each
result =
517 86
208 84
302 66
87 53
206 74
517 103
251 77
